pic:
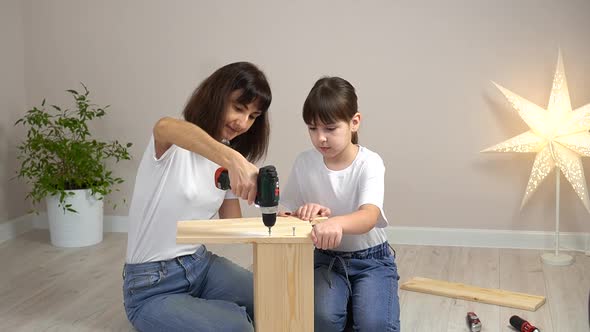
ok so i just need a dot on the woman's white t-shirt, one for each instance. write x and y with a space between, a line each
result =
180 185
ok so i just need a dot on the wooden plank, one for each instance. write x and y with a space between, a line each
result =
243 230
283 287
472 293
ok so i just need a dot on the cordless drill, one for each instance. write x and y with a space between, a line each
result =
522 325
267 196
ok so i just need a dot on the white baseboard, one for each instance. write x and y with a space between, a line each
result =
15 227
112 224
485 238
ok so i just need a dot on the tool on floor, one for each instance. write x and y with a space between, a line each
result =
473 322
267 195
522 325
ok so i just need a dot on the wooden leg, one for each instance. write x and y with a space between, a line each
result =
283 287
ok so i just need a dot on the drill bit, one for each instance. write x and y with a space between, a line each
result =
269 231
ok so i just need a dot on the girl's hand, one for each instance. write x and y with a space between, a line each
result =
242 177
311 210
326 235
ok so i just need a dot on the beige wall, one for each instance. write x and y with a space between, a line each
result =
422 70
12 103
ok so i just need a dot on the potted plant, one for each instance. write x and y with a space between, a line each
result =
66 166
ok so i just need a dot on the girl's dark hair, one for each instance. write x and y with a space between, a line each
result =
331 99
207 106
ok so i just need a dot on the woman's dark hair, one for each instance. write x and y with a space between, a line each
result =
331 99
207 106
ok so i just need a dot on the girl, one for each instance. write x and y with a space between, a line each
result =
355 273
170 287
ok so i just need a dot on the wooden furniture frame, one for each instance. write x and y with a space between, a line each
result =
283 266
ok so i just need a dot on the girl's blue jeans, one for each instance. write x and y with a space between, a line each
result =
198 292
362 284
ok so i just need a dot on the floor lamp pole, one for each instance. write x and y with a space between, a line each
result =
557 258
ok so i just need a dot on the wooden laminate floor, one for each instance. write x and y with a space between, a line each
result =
43 288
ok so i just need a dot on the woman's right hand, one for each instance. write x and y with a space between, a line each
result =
242 177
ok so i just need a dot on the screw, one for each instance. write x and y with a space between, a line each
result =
293 230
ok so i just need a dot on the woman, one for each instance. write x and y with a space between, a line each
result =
170 287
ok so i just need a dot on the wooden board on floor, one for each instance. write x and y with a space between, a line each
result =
472 293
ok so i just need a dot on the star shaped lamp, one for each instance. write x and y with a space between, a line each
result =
559 136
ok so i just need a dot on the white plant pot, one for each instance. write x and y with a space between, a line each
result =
81 229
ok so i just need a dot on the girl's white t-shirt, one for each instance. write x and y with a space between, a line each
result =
180 185
342 191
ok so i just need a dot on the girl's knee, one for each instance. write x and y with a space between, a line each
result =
382 324
329 322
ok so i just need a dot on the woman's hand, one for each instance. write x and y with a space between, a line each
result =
326 235
311 210
242 178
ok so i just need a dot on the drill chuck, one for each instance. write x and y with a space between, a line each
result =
269 220
269 216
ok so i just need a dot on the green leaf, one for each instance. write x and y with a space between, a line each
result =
60 153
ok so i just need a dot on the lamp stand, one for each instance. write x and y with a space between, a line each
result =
556 258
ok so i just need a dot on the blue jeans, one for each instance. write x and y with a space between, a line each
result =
363 282
198 292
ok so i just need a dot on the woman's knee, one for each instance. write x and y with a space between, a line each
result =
238 324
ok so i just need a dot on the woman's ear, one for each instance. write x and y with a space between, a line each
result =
355 122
